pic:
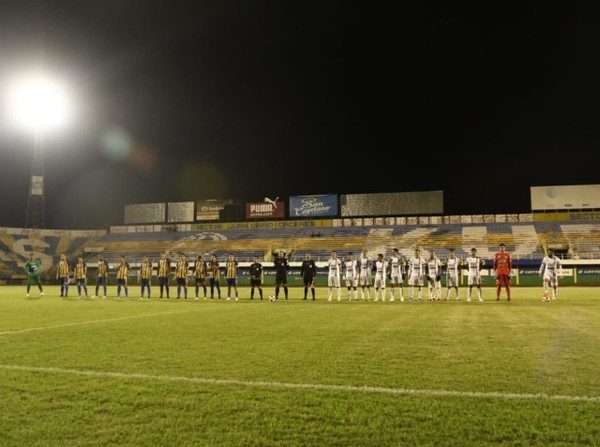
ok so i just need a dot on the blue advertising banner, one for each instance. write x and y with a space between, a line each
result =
314 206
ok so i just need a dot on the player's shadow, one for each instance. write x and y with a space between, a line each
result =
33 298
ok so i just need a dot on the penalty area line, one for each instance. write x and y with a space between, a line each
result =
305 386
85 322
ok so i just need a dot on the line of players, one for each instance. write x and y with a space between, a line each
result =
356 274
202 271
421 273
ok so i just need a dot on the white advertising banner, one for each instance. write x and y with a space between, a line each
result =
565 197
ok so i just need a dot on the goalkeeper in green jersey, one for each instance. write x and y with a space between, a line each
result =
33 267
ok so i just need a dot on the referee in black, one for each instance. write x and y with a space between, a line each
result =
308 271
281 268
256 276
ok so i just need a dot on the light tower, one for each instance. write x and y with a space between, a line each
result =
35 217
37 104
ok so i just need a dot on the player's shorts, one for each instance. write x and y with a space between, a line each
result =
255 282
379 281
121 282
415 280
552 280
101 280
163 280
474 279
333 281
365 278
81 281
181 281
231 282
451 281
200 281
351 281
503 280
396 280
431 281
145 282
35 277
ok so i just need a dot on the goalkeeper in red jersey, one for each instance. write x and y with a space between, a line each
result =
502 267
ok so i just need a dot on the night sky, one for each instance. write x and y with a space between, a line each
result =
180 101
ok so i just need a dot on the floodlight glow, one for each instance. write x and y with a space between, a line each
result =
38 103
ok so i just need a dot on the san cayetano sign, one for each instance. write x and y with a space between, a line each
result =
314 206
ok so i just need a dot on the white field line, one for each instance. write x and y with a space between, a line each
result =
86 322
305 386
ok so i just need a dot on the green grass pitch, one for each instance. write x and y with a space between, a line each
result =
108 372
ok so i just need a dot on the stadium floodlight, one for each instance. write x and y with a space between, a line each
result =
38 103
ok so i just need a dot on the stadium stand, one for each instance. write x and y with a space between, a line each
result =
583 239
526 241
523 240
16 243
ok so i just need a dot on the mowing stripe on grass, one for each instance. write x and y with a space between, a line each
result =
307 386
85 322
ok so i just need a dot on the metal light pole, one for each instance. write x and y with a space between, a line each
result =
37 104
35 202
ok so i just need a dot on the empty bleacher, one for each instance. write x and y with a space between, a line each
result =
525 241
48 245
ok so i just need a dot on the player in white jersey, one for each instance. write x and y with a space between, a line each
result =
333 280
434 278
417 269
474 264
380 277
350 268
364 280
396 267
452 266
550 270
